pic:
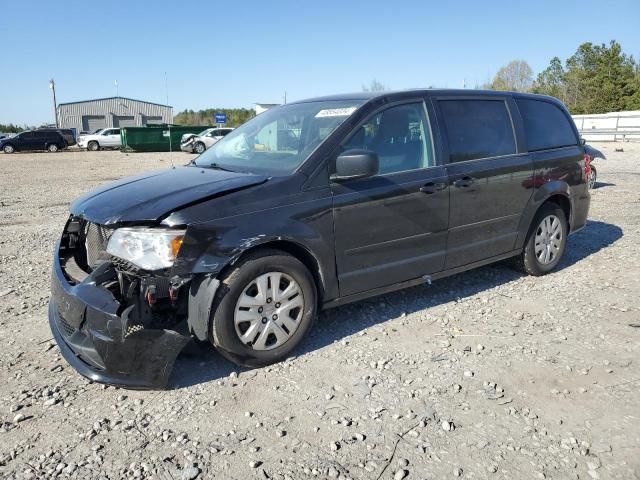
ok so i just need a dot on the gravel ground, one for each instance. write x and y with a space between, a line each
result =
487 374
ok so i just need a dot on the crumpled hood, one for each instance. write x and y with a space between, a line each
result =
151 196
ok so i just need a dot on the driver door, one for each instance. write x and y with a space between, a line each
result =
392 227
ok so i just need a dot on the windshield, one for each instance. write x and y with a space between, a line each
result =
204 132
277 141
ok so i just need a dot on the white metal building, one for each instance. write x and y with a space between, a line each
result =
90 115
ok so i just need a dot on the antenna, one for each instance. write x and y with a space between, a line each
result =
115 82
166 88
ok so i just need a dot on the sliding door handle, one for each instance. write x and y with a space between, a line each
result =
463 182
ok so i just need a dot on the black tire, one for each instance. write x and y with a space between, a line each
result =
93 146
199 148
222 329
527 261
9 149
592 178
52 148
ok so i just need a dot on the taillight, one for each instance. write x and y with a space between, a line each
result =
587 167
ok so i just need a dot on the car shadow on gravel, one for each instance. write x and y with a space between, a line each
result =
200 363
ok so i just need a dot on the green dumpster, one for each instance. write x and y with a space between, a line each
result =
156 138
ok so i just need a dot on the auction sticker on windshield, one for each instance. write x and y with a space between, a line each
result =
335 112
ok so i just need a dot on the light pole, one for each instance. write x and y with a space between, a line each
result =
52 86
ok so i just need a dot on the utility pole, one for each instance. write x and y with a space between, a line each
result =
52 86
285 97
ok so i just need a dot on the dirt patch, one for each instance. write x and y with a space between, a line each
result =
487 374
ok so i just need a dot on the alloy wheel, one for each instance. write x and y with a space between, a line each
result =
269 311
548 239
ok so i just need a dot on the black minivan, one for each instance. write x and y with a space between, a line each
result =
370 193
49 140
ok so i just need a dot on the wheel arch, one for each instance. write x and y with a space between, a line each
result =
203 289
293 248
552 192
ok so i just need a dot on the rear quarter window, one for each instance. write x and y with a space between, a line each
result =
477 129
546 125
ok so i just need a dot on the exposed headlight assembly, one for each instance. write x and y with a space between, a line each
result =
147 248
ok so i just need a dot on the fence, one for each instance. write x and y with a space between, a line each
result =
609 127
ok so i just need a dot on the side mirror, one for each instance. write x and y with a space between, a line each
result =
354 164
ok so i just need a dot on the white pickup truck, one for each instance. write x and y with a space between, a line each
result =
105 138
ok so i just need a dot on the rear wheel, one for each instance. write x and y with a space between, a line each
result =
8 149
199 147
263 309
93 146
52 148
546 241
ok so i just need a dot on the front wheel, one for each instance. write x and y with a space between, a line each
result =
546 241
263 309
199 148
8 149
93 146
53 148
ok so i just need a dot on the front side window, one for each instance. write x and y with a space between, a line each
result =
477 129
399 135
545 125
277 141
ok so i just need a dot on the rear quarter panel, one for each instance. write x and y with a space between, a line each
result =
556 172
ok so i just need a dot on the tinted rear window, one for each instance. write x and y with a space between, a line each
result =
545 125
477 129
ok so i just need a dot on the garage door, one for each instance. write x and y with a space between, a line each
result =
125 121
152 120
91 123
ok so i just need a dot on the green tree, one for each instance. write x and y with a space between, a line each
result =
595 79
11 128
551 81
235 116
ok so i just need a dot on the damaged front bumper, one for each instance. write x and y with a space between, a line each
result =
104 341
118 324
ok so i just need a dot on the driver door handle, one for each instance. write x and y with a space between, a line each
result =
432 187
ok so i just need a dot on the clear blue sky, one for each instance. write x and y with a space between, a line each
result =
234 53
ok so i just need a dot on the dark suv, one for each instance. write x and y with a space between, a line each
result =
373 192
67 134
50 140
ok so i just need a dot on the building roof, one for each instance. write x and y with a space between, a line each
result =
114 98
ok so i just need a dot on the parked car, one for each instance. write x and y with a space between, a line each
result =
244 245
105 138
198 143
66 133
51 141
592 154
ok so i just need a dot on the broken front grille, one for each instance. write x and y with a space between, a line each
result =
96 238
